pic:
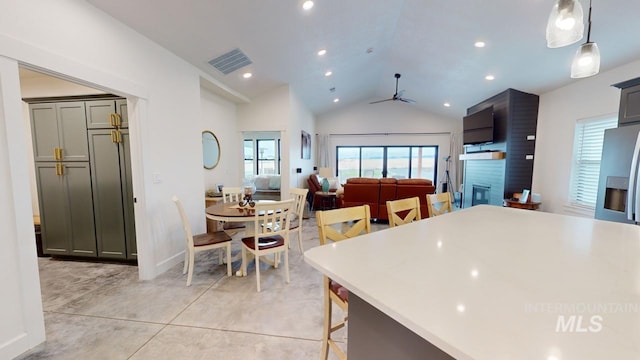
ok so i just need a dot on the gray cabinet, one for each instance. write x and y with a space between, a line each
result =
59 131
66 210
629 106
111 180
84 182
102 114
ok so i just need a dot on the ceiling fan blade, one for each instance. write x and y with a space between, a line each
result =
410 101
379 101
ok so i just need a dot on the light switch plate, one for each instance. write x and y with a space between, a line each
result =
155 178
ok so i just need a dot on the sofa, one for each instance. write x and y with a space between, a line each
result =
376 193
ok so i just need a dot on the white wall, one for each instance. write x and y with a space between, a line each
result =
270 112
301 119
164 99
405 124
558 112
219 116
44 86
22 324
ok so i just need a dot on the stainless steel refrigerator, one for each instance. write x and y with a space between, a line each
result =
619 184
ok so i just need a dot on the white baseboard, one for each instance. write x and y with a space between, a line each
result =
167 264
14 347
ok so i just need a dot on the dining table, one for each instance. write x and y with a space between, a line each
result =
234 212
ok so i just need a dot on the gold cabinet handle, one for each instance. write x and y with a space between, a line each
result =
112 121
113 136
55 154
118 119
118 136
59 169
60 154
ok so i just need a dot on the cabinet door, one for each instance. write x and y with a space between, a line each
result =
77 176
44 130
99 113
72 131
54 212
107 194
629 106
66 212
121 109
127 196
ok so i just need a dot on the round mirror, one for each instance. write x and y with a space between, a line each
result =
210 149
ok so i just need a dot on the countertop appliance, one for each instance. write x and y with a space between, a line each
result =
619 183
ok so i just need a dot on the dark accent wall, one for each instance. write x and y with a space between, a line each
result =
515 118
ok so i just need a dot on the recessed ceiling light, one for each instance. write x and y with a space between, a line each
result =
447 104
322 52
247 75
328 73
479 44
307 4
336 100
489 77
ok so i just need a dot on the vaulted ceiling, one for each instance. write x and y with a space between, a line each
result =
431 43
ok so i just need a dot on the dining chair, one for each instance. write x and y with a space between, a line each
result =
300 197
202 242
271 235
352 221
403 211
232 195
439 204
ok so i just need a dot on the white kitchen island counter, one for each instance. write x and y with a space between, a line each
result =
499 283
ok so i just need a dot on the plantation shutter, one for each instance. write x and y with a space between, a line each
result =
589 136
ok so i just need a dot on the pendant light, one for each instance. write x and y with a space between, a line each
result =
565 25
587 60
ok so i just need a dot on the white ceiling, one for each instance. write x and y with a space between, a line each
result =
429 42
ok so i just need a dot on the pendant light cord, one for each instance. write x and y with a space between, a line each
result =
589 29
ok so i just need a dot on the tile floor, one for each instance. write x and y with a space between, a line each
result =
102 311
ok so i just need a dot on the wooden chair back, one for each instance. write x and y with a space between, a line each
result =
300 198
271 219
185 221
403 211
232 194
353 220
439 204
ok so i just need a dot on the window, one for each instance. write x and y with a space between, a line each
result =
248 158
401 162
589 136
261 157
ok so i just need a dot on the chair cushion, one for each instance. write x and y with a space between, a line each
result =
264 243
339 290
210 238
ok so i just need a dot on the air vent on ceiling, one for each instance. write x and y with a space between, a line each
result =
230 62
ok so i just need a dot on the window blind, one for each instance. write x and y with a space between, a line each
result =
589 136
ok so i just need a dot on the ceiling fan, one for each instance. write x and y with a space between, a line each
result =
397 96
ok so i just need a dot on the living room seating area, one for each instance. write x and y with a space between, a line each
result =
376 193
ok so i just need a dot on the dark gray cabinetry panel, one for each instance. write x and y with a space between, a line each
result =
107 193
66 211
99 113
59 126
87 210
629 106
